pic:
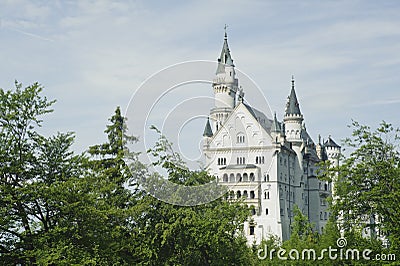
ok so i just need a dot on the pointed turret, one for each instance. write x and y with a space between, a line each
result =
225 58
293 118
207 130
225 85
292 106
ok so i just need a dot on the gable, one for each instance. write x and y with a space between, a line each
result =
243 128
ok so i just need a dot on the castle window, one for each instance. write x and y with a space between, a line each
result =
232 178
253 210
252 194
238 178
225 178
238 194
251 230
245 177
245 195
251 177
240 138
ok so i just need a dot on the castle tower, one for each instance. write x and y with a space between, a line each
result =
333 151
293 118
225 86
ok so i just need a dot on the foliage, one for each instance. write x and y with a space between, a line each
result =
207 234
368 182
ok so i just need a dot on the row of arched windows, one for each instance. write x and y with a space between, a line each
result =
242 194
238 178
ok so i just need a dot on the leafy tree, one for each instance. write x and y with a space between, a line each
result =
57 208
367 183
30 165
208 234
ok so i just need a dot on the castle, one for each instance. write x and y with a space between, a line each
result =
271 164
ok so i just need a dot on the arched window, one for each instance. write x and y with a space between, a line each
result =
268 195
326 187
219 161
232 178
245 177
253 210
224 161
265 194
225 178
266 211
256 159
262 159
238 178
240 138
267 177
238 194
245 195
252 194
252 177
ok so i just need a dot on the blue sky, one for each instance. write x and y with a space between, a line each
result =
92 55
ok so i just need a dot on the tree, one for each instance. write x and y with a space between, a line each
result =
29 165
367 183
57 208
207 234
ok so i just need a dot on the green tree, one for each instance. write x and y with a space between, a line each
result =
367 183
29 165
57 208
207 234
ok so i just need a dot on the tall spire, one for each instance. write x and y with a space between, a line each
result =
207 130
225 57
292 106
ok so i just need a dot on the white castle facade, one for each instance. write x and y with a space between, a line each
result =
271 164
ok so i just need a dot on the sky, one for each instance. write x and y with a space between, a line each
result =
92 56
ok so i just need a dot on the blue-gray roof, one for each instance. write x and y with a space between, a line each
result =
276 126
264 121
238 166
207 130
331 143
225 58
292 106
